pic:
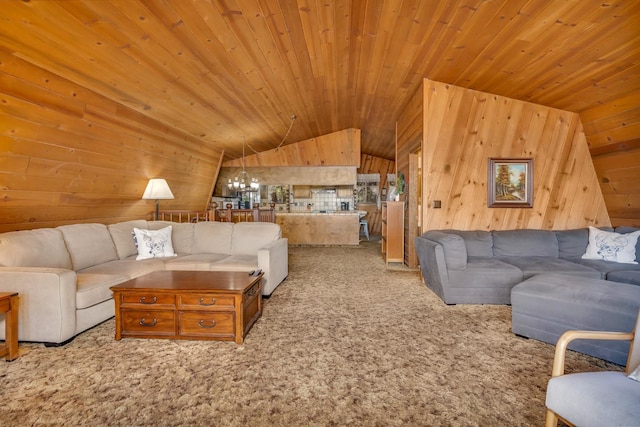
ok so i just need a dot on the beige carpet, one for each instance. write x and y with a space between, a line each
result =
343 341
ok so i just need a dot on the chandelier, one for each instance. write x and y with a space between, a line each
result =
243 181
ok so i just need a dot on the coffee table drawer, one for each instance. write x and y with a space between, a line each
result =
206 302
207 324
150 323
148 298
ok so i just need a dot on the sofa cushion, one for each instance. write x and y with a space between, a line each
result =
88 244
572 243
605 267
196 262
181 234
454 248
611 246
625 276
525 243
479 243
211 237
248 237
534 265
43 247
236 263
94 288
154 243
122 237
126 267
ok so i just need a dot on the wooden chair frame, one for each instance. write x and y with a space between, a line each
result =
561 348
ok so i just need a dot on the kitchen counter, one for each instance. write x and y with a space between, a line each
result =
320 227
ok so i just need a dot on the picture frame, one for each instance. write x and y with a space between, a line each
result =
510 183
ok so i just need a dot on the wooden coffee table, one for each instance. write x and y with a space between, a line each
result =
197 305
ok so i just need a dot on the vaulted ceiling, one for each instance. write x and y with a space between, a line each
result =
228 71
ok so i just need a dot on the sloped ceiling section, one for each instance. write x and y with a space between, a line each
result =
224 71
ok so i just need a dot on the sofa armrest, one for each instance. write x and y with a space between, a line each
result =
433 265
454 247
273 260
47 304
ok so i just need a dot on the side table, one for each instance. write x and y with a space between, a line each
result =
9 306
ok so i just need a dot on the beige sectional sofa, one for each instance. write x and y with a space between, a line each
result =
64 274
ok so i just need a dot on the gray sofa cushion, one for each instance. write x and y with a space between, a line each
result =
43 247
625 276
572 243
545 306
479 243
525 243
605 267
455 250
484 281
534 265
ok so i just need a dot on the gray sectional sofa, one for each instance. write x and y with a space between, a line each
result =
542 274
63 274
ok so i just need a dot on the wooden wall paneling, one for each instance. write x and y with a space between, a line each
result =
612 131
477 126
86 158
340 148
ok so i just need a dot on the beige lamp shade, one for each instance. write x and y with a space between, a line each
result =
157 188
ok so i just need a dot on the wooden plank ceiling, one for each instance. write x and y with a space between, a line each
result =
234 70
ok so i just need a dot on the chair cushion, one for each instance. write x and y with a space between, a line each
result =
595 399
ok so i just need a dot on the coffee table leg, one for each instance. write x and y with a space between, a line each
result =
11 329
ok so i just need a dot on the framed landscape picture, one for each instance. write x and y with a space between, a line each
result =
510 183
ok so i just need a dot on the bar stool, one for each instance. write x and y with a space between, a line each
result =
364 226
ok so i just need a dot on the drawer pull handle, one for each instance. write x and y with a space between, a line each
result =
143 300
211 324
252 291
143 322
213 302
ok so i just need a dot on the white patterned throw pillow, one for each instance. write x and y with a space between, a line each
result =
153 243
610 246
